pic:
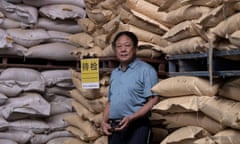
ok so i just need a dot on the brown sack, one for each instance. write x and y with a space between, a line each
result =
185 86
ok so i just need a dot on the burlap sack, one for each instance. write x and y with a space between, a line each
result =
215 16
85 126
104 90
189 45
87 25
140 20
185 135
148 53
177 104
85 114
182 31
187 12
108 51
110 27
195 119
73 140
93 1
227 136
147 9
185 86
235 37
105 79
92 52
101 140
230 89
208 3
90 94
162 3
143 35
100 40
225 28
75 73
81 110
166 5
112 5
222 110
58 140
224 46
82 39
100 16
77 132
95 106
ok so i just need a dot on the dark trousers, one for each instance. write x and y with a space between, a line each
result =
138 132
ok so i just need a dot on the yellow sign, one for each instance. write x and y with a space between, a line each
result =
90 73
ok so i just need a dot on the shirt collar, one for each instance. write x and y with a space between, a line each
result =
130 65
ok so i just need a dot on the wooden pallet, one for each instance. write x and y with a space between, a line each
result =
35 63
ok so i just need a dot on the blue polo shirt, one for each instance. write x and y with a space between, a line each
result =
129 89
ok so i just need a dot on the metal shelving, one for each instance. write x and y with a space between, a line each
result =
202 64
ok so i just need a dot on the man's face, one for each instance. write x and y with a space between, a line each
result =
124 49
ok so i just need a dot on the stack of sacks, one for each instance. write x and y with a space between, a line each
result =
195 25
40 28
85 123
192 103
34 105
107 17
183 34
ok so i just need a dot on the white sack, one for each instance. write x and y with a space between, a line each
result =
28 37
52 51
6 41
28 103
20 137
29 126
56 77
44 138
40 3
62 11
25 78
59 25
23 13
15 50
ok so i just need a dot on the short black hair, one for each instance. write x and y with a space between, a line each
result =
131 35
